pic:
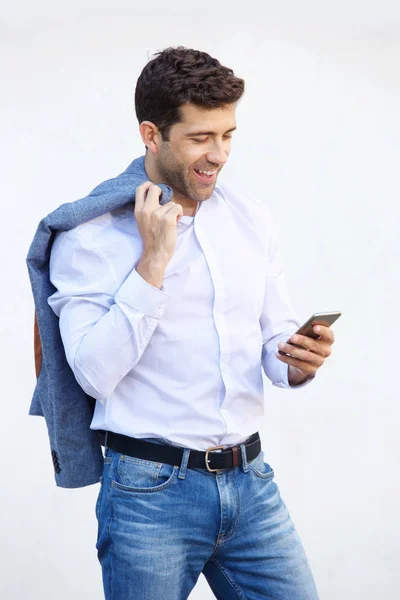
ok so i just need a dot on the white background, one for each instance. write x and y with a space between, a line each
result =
318 141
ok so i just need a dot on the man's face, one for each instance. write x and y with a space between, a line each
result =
201 141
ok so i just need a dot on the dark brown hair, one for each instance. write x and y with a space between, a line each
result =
179 75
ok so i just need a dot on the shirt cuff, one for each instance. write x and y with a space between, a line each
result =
299 385
138 293
283 370
277 370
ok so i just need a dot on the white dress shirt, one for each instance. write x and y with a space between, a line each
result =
184 362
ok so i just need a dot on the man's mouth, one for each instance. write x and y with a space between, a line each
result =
206 176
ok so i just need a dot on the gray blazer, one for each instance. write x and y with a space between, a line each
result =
75 448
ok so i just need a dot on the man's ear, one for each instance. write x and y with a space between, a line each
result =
151 136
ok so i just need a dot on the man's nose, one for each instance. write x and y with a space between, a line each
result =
217 156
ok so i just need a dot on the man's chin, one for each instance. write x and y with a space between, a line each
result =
203 195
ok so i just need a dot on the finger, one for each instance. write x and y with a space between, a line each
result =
318 346
175 213
140 194
301 354
170 207
147 197
307 367
164 208
303 341
152 198
325 333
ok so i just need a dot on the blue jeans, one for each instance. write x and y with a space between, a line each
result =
161 526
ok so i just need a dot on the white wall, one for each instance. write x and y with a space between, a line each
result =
319 141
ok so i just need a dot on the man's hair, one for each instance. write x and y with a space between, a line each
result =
179 75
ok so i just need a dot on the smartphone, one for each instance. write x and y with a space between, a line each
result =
322 318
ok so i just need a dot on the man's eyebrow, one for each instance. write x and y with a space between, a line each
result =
207 132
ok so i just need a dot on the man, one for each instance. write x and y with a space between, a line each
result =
167 314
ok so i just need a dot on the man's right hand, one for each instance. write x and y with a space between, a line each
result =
157 227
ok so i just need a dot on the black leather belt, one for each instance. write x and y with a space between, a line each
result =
212 460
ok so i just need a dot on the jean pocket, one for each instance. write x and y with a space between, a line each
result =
260 468
142 476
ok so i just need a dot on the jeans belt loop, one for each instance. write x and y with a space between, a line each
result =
184 462
244 458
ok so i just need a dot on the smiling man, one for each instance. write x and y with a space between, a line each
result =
197 148
169 312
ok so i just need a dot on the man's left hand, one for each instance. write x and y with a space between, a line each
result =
304 362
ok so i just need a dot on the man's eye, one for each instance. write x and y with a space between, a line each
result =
201 141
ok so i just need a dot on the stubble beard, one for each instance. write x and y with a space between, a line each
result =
173 173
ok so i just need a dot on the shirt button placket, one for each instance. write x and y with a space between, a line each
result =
219 308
